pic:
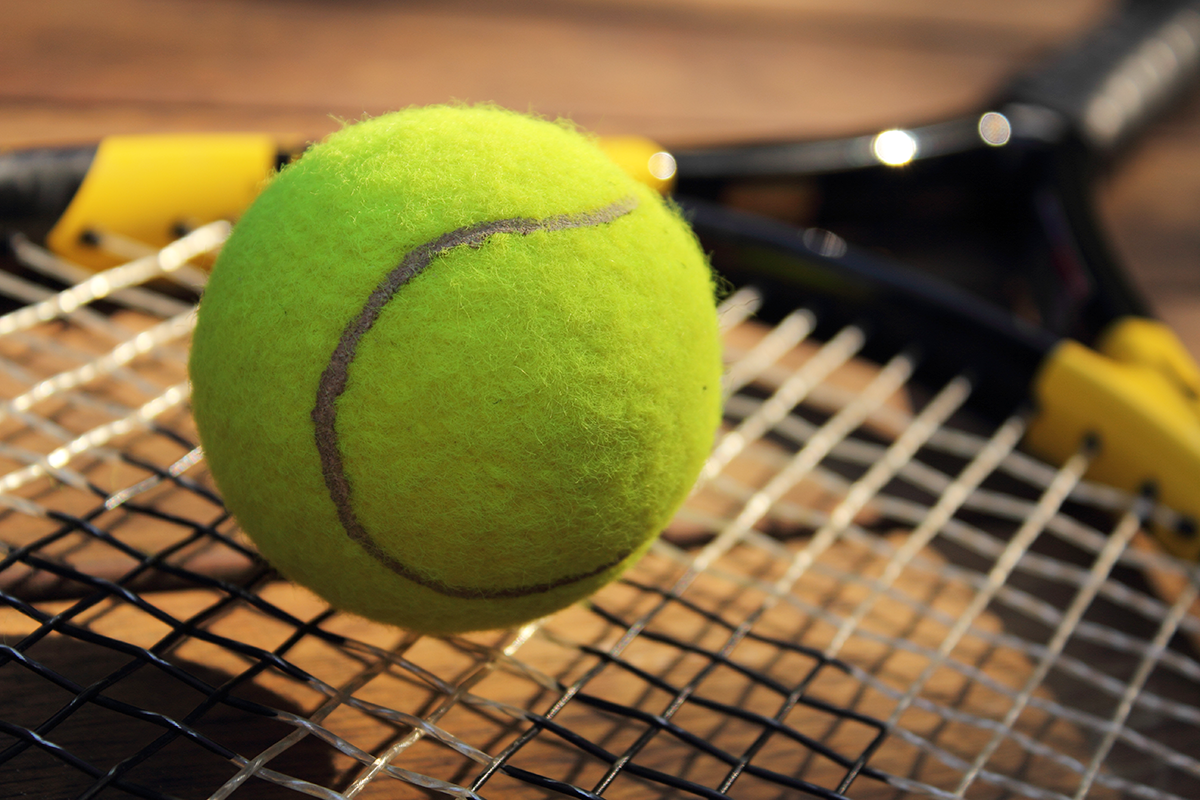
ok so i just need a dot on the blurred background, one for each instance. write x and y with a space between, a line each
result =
683 72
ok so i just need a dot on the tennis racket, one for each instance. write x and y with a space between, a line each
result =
871 593
998 202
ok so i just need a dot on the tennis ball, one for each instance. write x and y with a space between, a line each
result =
455 370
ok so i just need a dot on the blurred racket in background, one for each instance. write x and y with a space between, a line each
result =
872 592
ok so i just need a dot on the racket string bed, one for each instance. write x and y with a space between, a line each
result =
870 593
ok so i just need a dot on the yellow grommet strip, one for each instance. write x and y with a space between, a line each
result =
1137 405
148 188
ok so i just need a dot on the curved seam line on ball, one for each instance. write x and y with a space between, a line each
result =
336 372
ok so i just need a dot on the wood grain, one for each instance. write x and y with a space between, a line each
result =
679 71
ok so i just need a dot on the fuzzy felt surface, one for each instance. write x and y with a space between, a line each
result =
508 426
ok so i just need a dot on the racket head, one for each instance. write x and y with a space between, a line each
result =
790 634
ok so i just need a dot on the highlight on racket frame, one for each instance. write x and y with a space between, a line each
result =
871 593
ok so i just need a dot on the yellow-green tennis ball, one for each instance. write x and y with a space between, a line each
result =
454 370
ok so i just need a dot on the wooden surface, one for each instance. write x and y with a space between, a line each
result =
680 71
675 69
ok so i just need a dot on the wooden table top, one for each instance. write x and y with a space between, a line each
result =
680 71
